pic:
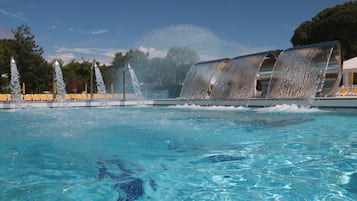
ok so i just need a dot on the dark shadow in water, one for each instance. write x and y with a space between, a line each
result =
352 185
223 158
219 158
129 187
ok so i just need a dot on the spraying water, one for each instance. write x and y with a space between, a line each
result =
136 84
207 44
60 85
99 80
15 82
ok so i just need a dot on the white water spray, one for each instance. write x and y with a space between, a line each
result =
60 85
15 82
99 80
136 84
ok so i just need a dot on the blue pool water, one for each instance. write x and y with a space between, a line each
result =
178 153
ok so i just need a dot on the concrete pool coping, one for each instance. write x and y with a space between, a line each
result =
320 102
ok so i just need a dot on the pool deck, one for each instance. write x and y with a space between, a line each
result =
321 102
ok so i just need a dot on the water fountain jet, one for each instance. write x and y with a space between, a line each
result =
136 84
60 85
15 82
99 80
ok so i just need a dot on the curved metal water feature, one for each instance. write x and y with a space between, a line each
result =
201 79
297 73
240 78
307 71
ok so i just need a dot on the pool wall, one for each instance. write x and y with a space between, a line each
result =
321 102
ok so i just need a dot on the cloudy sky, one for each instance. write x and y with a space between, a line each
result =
79 29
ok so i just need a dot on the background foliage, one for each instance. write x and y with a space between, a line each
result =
336 23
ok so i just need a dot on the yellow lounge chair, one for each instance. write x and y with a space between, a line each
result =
344 91
3 97
68 97
98 96
81 96
50 97
28 97
44 97
36 97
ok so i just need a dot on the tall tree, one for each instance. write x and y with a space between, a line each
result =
33 68
336 23
7 47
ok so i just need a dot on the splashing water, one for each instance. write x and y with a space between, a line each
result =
136 84
15 82
208 45
60 85
99 80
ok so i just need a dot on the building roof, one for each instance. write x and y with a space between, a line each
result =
350 65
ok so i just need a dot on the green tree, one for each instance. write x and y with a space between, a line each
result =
33 69
7 47
336 23
78 72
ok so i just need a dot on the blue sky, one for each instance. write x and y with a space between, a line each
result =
76 29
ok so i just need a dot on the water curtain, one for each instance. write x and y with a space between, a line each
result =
201 79
297 73
306 71
240 78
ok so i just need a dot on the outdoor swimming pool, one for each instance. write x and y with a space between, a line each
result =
178 153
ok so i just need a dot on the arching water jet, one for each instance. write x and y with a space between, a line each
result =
15 82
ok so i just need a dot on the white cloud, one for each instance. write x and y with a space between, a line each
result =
153 52
64 56
18 15
104 56
207 45
100 31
